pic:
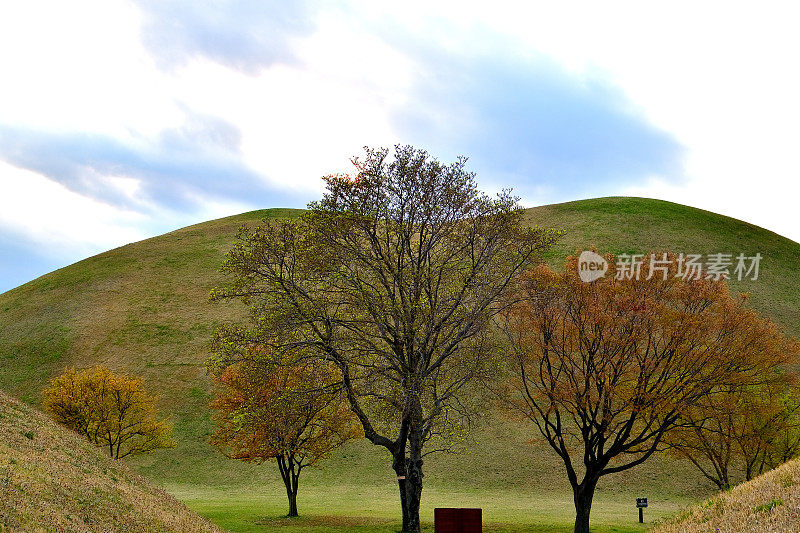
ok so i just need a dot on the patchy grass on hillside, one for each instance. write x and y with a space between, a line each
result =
51 479
641 225
771 502
143 308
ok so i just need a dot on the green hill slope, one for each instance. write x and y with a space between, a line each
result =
54 480
144 308
639 225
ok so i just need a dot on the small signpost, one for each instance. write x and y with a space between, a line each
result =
641 503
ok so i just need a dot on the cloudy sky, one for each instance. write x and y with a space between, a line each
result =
120 120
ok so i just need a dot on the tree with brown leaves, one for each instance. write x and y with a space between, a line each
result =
605 369
112 410
293 414
753 426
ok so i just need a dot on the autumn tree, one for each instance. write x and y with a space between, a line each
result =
605 369
755 427
294 414
112 410
394 277
784 440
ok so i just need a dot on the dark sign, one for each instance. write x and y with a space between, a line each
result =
641 502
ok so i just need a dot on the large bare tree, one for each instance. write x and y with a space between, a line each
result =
394 276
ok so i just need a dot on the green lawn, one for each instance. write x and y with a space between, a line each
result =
326 509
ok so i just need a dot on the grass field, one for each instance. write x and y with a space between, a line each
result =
636 226
144 308
374 508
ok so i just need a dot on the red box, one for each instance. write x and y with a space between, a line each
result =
457 520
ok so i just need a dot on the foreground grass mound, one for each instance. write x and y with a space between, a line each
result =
53 480
770 502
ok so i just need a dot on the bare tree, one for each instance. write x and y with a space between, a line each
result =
394 276
753 426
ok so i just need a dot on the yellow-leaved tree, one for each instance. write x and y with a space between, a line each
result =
111 410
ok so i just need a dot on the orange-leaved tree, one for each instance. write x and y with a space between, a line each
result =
293 413
606 368
110 409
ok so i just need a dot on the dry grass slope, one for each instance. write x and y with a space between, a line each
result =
769 503
53 480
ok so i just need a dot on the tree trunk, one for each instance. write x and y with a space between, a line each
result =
724 479
413 482
583 495
290 473
413 497
399 465
409 482
292 503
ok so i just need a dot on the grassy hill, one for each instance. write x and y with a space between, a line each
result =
144 308
638 225
53 480
770 502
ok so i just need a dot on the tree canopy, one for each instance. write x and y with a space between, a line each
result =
293 414
756 426
394 276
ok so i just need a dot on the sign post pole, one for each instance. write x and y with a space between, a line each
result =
641 503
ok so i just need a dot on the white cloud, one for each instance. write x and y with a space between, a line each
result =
64 225
58 222
82 67
720 77
302 121
71 66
